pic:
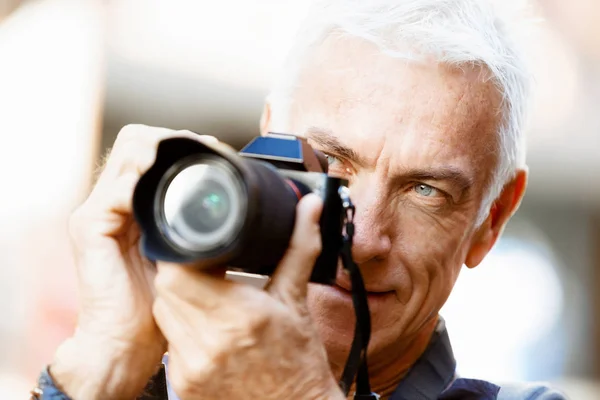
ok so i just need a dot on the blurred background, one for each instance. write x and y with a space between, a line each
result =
73 72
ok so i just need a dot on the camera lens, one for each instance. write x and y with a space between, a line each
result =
207 209
203 203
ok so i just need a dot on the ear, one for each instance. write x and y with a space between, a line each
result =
265 119
500 212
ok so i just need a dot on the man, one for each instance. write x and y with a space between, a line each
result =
420 104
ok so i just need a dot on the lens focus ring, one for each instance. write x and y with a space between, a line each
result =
201 203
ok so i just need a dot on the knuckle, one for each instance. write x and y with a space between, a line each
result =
158 308
195 136
317 245
180 383
251 322
197 368
311 246
125 184
307 240
128 132
127 145
145 159
135 148
138 136
208 139
186 132
167 279
257 322
135 156
190 377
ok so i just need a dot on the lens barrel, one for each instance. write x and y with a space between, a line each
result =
203 204
200 203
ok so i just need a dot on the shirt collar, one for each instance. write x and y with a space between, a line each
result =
433 372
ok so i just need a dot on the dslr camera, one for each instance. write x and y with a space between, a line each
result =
207 205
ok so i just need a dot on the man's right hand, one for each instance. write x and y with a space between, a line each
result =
117 345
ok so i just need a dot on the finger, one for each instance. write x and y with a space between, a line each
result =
117 202
186 328
185 332
185 372
293 272
94 218
133 154
207 290
134 151
170 324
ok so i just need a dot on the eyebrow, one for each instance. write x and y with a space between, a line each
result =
447 173
325 139
329 143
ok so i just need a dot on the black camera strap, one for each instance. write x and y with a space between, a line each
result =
356 365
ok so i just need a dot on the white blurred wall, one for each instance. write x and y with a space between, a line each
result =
51 97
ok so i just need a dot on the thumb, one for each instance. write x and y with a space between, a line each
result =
291 276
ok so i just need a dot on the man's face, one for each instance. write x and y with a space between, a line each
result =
416 141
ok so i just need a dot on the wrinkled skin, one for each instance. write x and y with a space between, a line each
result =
225 339
389 126
415 140
117 344
235 341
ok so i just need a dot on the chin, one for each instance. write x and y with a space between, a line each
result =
332 311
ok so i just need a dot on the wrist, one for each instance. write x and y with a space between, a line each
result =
93 368
335 393
329 391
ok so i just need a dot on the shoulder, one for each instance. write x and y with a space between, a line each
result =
529 391
463 388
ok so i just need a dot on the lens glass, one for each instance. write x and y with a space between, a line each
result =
203 204
207 209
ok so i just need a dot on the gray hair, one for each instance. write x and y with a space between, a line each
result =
456 32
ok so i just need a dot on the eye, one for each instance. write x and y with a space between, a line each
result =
426 190
332 160
338 166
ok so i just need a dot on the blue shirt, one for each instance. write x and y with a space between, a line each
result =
432 377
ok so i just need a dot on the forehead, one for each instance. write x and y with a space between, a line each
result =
383 106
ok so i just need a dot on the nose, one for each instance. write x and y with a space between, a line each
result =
372 220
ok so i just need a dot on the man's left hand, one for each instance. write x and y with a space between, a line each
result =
233 341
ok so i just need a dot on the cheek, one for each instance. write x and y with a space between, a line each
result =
433 250
429 232
334 321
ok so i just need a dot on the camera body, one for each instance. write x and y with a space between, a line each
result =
206 205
